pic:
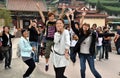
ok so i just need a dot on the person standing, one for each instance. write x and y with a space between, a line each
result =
33 38
60 56
40 37
50 30
106 43
6 41
25 51
85 46
117 40
99 43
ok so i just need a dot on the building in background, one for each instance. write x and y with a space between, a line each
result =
22 11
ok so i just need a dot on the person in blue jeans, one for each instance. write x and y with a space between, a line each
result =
33 38
85 46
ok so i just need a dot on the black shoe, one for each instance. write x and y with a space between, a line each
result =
46 67
9 67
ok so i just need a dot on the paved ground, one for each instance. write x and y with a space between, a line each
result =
107 68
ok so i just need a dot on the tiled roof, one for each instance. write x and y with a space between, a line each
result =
25 5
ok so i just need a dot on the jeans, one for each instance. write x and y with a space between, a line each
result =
72 54
31 65
99 51
35 54
90 59
59 72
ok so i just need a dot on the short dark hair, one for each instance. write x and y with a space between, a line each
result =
77 23
6 26
23 30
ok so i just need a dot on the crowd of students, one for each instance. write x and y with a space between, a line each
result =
62 42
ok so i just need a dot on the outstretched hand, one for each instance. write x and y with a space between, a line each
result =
63 6
67 14
84 13
37 4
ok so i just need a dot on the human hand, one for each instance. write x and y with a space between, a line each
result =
67 54
63 6
84 13
33 48
67 14
37 4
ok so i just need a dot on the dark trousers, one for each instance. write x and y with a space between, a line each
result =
59 72
31 65
72 54
1 56
39 52
106 51
8 57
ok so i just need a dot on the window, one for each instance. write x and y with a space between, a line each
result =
116 15
93 6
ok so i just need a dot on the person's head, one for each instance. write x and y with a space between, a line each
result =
77 25
86 27
118 27
75 37
51 16
6 29
24 33
40 27
94 26
34 23
59 24
105 29
99 29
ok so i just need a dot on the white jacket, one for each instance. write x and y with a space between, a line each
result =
61 42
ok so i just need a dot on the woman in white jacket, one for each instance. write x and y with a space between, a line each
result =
61 49
26 50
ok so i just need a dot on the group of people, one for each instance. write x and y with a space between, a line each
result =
63 43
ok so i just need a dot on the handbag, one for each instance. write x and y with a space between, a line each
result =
4 48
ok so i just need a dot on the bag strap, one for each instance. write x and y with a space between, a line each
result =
52 50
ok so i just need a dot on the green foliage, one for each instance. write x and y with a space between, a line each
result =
112 9
102 1
5 14
111 6
99 6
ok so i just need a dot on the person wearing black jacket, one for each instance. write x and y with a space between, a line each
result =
33 38
85 46
6 41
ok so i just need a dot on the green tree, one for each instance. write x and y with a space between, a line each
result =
6 15
99 6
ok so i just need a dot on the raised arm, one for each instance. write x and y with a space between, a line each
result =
69 21
40 12
76 31
30 25
82 19
62 12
